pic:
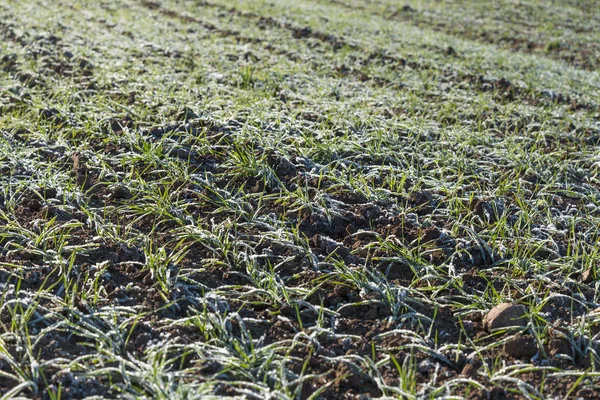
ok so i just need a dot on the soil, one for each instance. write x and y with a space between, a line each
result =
372 240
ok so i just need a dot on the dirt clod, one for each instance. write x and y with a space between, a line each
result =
521 346
49 113
121 192
497 394
372 310
202 183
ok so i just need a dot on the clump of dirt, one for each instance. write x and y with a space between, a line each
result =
521 346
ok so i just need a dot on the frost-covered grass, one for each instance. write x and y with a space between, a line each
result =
316 199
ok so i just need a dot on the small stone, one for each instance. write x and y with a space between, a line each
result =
521 346
588 276
469 370
505 315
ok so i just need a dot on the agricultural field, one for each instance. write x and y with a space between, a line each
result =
283 199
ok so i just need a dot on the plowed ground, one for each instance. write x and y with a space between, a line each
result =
299 199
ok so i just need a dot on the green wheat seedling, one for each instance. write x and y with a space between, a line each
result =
298 200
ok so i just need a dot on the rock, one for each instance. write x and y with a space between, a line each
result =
505 315
521 346
469 370
588 276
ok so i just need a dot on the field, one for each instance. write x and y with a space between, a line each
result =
333 199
